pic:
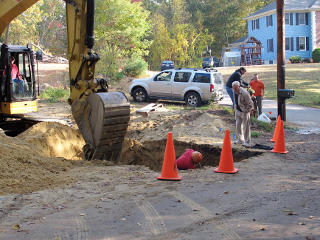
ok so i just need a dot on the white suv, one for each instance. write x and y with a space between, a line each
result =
194 86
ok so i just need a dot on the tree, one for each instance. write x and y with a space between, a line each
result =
23 29
178 34
44 25
121 31
52 28
162 46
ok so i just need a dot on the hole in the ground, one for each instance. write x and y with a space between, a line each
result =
151 153
14 127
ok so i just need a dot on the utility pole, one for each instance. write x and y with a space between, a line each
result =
281 83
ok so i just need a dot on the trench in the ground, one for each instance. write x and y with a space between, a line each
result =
151 153
14 127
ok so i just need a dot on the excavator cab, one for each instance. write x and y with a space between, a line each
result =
17 82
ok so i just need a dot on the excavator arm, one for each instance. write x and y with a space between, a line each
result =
101 116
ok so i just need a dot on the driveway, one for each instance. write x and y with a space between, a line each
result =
306 117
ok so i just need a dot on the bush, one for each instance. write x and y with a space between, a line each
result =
55 94
135 66
316 55
118 76
255 134
306 60
295 59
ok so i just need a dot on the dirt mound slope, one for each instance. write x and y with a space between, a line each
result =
53 139
206 127
38 158
23 169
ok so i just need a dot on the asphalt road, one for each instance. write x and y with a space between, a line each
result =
306 117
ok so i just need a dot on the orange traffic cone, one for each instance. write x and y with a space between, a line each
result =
226 157
279 146
169 166
276 130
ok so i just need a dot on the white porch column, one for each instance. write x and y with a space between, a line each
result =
313 30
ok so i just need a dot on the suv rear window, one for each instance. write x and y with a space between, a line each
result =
202 78
182 76
218 78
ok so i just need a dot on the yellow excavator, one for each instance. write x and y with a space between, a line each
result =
101 116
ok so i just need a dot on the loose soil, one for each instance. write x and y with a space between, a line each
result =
23 169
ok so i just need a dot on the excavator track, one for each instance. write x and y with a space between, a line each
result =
103 124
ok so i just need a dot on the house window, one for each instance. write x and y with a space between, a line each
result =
302 43
289 18
270 45
289 44
255 24
302 18
269 21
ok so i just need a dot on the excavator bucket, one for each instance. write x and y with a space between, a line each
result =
103 123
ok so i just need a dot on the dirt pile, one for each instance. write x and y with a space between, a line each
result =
203 127
53 139
37 158
22 169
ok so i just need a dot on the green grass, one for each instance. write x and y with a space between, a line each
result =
255 134
265 126
304 78
228 110
55 94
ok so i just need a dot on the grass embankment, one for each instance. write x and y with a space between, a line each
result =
52 94
303 78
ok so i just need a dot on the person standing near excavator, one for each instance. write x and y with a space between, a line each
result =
236 76
243 108
258 86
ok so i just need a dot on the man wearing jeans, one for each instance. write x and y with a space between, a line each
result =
243 106
236 76
258 86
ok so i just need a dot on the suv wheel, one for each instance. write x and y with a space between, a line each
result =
193 99
139 95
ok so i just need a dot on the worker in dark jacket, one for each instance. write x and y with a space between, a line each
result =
236 76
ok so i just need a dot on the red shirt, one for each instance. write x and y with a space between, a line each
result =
185 160
257 86
14 71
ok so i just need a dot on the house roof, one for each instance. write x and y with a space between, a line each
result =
243 41
289 5
240 40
